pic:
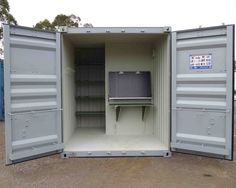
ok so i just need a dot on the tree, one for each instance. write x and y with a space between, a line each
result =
61 20
64 20
5 16
88 25
45 24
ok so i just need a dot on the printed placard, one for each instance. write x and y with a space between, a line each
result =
200 61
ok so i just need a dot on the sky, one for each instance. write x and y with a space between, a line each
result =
179 14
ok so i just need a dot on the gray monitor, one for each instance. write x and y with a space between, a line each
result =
130 85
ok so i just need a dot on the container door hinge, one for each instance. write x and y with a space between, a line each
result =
167 29
62 29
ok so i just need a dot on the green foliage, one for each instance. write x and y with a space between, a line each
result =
88 25
59 20
64 20
5 16
45 24
5 6
11 19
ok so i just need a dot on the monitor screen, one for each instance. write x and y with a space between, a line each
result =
130 85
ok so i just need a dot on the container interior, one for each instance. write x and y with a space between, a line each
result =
90 121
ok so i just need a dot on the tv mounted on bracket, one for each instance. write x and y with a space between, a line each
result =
130 86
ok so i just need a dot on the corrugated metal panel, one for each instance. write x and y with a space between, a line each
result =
1 91
162 90
68 89
32 92
202 92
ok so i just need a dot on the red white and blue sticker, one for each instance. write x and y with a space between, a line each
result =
200 61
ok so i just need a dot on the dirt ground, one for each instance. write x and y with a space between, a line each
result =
180 170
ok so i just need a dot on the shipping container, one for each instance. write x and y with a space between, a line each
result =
118 91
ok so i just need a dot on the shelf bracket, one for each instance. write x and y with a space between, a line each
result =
143 112
117 112
118 107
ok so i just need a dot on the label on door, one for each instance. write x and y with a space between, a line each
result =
200 61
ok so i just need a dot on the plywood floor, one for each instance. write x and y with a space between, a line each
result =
95 139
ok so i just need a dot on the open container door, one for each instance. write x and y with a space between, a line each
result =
202 91
32 91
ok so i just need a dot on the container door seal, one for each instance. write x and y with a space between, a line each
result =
202 91
32 89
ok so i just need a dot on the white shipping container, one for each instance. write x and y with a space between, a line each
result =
134 91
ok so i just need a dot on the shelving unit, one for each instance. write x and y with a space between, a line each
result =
90 88
79 113
90 81
90 97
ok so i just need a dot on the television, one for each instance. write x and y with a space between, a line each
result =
135 85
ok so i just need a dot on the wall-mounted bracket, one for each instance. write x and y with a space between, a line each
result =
117 112
143 112
118 108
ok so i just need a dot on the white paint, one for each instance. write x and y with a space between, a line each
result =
199 103
34 141
38 90
203 89
68 90
33 104
199 137
95 139
16 40
33 76
130 131
162 90
212 75
128 57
